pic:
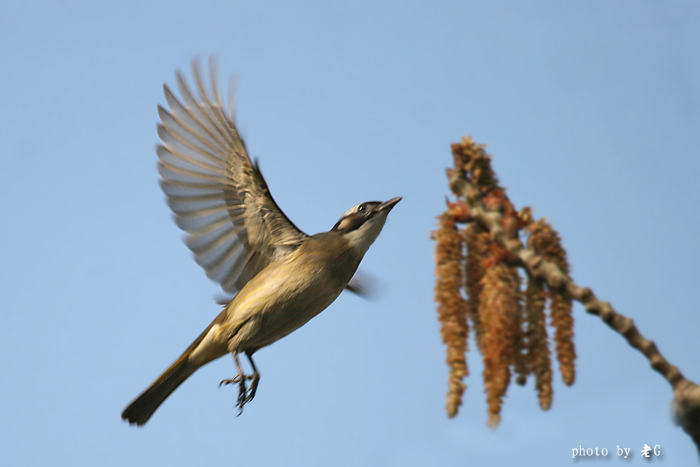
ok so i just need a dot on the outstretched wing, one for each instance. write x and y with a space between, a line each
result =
219 197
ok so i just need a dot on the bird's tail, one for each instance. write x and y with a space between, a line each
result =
141 409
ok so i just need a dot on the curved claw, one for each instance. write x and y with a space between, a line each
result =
233 380
245 394
255 379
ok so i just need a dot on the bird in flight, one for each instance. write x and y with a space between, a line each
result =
281 277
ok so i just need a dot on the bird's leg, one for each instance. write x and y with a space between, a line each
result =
254 379
244 394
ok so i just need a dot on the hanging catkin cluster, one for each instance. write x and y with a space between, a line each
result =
480 284
452 308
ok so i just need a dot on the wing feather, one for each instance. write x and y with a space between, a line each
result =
198 110
218 195
210 108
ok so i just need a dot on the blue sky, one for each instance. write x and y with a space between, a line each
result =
590 109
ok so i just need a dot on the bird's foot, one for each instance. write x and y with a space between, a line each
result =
235 380
245 393
254 380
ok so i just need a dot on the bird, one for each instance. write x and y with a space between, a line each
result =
281 277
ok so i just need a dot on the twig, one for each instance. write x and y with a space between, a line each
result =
686 403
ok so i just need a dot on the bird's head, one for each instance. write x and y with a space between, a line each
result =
361 224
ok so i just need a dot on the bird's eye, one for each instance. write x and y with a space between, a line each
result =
361 208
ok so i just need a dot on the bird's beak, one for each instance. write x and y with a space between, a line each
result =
388 205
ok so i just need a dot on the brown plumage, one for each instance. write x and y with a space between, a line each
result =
244 241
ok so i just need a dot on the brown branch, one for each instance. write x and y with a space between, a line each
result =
686 393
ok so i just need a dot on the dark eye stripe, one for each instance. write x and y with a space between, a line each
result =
349 223
361 213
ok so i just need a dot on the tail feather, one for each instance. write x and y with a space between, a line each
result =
141 409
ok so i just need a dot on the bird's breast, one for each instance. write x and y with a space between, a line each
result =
288 293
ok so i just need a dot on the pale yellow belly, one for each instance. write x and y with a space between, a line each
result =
277 302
